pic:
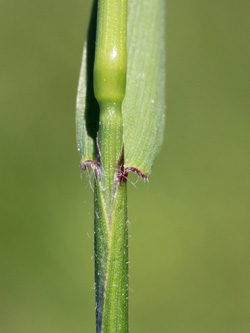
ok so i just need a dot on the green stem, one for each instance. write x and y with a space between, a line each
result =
111 235
111 264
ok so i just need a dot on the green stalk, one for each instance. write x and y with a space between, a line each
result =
123 133
111 236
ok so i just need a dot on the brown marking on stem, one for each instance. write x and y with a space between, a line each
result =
122 172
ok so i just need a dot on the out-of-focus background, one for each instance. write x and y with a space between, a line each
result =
190 225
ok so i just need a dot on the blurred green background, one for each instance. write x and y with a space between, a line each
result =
190 225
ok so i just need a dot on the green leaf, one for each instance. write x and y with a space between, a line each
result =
144 105
87 108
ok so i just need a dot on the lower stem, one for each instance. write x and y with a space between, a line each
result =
111 232
111 262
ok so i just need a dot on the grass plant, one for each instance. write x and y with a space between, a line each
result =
120 121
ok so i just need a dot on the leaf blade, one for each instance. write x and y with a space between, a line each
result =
87 109
144 104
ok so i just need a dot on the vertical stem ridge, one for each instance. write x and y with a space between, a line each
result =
115 311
